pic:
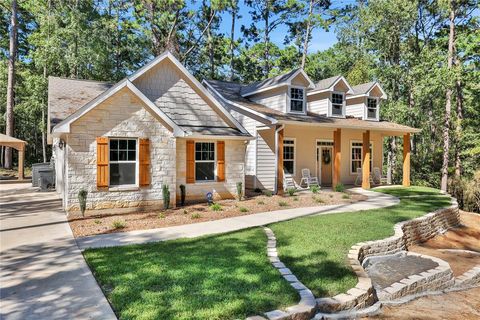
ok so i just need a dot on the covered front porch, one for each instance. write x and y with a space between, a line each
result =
341 155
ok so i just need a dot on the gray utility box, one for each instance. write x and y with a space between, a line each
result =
47 179
36 167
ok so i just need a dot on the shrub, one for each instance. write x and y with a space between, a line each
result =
345 196
185 211
339 187
243 209
239 190
467 192
291 191
82 199
161 215
119 224
295 199
282 203
315 189
182 194
166 196
196 215
260 202
216 207
267 193
318 199
97 221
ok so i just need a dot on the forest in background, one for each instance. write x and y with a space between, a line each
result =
426 55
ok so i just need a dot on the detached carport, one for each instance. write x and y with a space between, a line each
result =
19 145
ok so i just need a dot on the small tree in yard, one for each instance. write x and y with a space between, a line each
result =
182 194
166 197
82 199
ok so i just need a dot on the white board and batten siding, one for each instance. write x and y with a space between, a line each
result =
265 165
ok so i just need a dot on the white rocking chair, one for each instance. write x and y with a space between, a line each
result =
308 179
377 176
359 178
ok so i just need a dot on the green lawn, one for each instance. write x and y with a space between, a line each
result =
218 277
315 248
229 276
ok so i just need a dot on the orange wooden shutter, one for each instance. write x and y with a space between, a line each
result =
190 161
102 162
221 161
144 159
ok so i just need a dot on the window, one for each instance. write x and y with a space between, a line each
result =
297 100
204 161
337 104
356 156
371 108
123 162
289 156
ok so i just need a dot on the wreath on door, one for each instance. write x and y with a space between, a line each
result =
326 158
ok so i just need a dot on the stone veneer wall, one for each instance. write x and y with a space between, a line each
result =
122 115
406 233
234 172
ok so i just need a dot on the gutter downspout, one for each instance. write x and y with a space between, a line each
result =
276 156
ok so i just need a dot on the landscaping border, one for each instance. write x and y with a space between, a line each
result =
406 233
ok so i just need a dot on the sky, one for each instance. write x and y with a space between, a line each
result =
321 39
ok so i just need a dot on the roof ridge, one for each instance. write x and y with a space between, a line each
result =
84 80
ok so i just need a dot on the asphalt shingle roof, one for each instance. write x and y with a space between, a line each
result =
363 88
267 82
326 83
232 91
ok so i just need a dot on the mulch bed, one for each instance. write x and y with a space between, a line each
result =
194 213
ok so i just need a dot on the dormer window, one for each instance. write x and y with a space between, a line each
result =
297 100
338 100
372 108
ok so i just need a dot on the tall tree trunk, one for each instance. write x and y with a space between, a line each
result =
11 81
448 100
391 159
232 38
266 39
307 33
211 57
458 128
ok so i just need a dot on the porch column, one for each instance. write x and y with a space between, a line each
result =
21 157
366 160
337 155
280 161
406 160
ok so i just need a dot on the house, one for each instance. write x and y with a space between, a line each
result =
328 127
123 142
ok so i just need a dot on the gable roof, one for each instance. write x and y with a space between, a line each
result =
328 84
231 93
273 82
365 88
64 125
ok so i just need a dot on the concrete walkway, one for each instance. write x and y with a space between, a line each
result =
42 272
375 201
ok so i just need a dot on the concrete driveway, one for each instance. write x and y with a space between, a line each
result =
42 272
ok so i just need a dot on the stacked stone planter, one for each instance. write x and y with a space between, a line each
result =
406 233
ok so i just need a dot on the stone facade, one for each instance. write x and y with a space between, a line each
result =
122 115
234 172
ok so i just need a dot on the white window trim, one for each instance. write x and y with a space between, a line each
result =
294 155
137 165
289 99
361 155
205 161
365 117
330 105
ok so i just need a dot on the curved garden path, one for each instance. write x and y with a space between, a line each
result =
375 200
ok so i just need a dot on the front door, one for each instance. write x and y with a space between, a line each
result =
326 166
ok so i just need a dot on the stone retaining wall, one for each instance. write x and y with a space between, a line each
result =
406 233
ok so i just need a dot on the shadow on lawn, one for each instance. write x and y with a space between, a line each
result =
218 277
